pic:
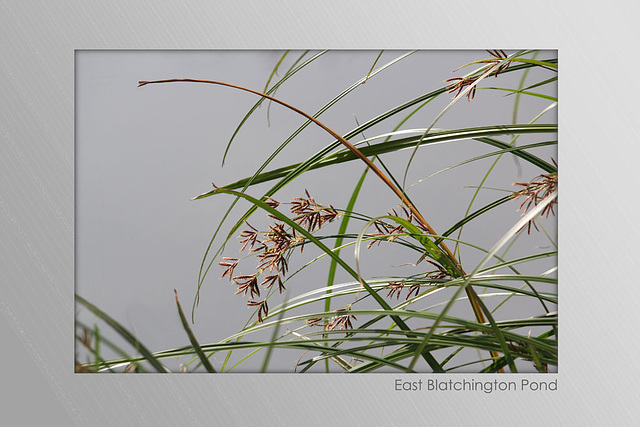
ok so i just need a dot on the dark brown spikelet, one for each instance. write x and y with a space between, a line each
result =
273 258
413 289
249 237
310 214
263 308
270 280
440 273
315 321
396 288
383 229
343 320
247 284
278 236
535 191
500 55
272 202
230 264
460 83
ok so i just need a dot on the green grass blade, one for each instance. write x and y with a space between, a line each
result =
274 335
105 341
289 71
261 100
484 156
516 103
192 338
549 64
275 70
343 228
481 134
373 66
522 92
124 333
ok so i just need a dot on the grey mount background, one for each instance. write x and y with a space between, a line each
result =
597 154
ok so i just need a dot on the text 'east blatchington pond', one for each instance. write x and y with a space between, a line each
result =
466 385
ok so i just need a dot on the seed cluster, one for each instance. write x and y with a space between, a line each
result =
462 82
396 288
343 321
274 247
535 191
387 232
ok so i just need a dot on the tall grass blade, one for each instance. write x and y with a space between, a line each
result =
124 333
192 338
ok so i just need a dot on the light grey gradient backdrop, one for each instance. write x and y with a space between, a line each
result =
598 154
141 153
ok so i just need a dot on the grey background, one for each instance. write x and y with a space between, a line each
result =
142 152
37 203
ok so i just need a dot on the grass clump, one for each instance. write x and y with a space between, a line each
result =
457 302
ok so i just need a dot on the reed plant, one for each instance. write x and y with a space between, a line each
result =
459 301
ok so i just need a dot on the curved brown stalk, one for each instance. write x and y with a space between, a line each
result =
473 297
